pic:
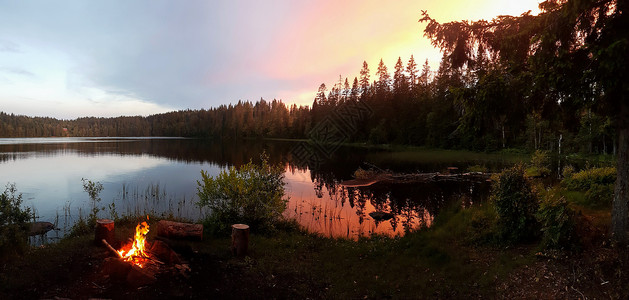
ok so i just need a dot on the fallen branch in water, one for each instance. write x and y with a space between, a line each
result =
417 178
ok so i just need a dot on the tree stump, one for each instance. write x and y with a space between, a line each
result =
171 229
104 230
240 239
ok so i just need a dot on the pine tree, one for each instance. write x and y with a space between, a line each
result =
384 79
411 68
364 79
399 79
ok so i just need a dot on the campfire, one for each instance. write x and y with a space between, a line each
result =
136 252
138 260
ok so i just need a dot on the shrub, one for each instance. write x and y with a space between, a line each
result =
540 164
585 179
13 223
557 222
516 205
252 194
600 195
596 183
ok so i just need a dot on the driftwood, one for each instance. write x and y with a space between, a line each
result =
417 178
177 230
240 239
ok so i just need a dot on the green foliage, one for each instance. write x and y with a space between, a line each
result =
585 179
13 223
252 194
474 225
600 195
93 189
516 205
540 164
378 134
557 221
597 184
567 171
86 225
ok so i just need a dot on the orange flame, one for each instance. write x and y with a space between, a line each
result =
135 252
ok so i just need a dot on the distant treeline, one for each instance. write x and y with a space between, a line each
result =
481 108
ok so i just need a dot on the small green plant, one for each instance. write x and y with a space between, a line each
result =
516 205
567 171
252 194
557 222
540 164
13 222
93 189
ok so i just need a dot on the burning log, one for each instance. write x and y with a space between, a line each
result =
104 230
133 275
179 230
240 239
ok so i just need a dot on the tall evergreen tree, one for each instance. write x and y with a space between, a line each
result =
400 85
384 79
411 69
364 79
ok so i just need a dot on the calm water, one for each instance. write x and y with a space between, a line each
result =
142 175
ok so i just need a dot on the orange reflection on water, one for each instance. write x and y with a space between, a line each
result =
337 211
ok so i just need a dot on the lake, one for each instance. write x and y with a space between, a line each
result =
159 176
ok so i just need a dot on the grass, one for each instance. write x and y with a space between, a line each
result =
455 258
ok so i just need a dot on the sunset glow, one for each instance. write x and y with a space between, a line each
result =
67 61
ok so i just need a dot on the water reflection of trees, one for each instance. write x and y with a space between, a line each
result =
412 205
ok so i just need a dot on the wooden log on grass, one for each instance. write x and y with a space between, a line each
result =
104 230
240 239
177 230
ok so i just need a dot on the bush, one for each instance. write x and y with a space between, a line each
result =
14 225
600 195
252 194
585 179
540 164
596 183
557 222
516 205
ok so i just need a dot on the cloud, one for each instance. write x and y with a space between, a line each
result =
16 71
8 46
196 54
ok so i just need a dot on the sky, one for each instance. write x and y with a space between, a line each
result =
70 59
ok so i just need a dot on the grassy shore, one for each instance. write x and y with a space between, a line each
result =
444 261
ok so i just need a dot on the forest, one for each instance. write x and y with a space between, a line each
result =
553 82
484 106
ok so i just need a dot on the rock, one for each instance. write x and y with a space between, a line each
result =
381 215
37 228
